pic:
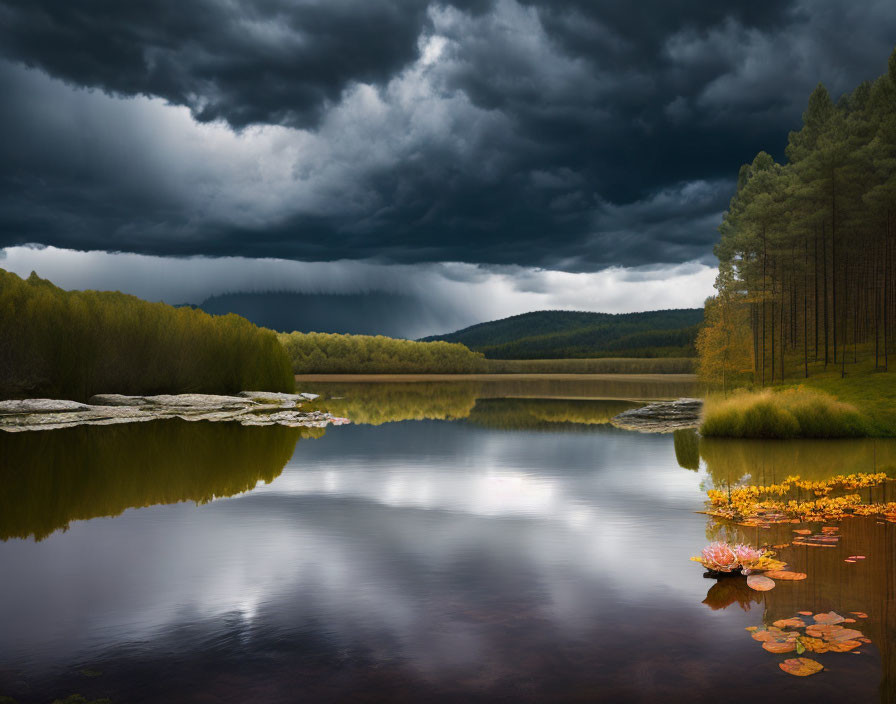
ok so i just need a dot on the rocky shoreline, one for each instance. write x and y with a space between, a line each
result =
662 416
246 408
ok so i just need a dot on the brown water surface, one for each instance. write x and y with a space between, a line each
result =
452 544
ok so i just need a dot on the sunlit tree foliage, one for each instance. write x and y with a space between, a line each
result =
325 353
73 344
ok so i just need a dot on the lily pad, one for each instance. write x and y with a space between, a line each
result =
786 575
760 583
832 633
801 667
814 645
830 617
787 646
843 646
774 634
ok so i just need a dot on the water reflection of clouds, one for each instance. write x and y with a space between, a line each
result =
383 535
489 492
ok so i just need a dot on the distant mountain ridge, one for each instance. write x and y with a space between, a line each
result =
555 334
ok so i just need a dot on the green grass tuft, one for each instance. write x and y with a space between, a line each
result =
790 413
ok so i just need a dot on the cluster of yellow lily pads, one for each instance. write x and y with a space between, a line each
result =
756 502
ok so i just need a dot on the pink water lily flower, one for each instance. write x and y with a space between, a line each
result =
719 557
746 554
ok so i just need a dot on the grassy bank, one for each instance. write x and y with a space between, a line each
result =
826 405
73 344
873 393
787 413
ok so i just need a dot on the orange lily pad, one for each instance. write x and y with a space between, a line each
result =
773 634
832 633
860 614
787 646
845 634
802 531
853 561
814 545
760 583
786 575
769 634
840 646
801 667
804 613
814 645
829 529
830 617
791 622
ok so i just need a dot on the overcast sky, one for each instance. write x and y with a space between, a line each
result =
528 150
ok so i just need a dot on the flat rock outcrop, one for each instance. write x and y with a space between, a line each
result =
662 416
247 408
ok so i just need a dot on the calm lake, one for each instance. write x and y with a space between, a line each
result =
460 541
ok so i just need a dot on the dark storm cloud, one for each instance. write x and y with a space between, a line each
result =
265 62
561 133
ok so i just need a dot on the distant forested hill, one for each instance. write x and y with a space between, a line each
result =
554 334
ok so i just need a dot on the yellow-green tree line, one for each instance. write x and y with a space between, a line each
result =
73 344
325 353
807 256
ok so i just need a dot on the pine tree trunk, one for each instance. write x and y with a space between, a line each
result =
773 324
806 306
887 262
763 301
824 248
843 326
815 300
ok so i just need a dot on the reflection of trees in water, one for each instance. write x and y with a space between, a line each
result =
542 400
687 448
768 462
378 403
50 478
622 387
545 414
